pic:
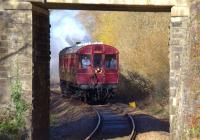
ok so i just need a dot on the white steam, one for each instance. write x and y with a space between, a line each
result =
65 31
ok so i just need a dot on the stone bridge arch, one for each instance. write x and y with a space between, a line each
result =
25 39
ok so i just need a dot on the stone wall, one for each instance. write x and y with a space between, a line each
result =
16 47
4 65
25 54
16 55
185 74
179 49
194 75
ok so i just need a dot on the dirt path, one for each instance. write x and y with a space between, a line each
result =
70 119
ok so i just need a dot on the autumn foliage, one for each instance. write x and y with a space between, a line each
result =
142 40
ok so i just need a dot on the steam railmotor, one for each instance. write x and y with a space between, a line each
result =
89 70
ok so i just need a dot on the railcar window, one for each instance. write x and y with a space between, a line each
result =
97 60
110 61
84 61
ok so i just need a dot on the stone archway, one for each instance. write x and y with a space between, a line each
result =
40 8
35 17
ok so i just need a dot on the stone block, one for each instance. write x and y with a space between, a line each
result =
3 50
3 37
172 109
4 43
175 30
174 83
177 24
4 68
16 4
174 42
177 49
3 81
3 74
26 83
180 35
176 65
180 11
21 18
172 92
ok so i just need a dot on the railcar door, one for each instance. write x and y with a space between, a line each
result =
98 68
84 69
111 68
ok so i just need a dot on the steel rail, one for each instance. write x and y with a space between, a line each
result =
96 128
132 135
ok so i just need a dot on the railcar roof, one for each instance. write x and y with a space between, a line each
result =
76 47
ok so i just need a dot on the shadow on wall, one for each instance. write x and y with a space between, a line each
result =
134 87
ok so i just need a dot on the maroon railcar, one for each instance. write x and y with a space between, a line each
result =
89 70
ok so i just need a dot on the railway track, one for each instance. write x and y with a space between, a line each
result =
111 125
112 121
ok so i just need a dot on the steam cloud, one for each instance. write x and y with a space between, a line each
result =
66 30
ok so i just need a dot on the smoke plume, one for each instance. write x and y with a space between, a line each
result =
65 31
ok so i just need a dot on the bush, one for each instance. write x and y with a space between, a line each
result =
14 125
195 132
143 86
134 87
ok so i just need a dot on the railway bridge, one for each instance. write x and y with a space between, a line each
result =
25 53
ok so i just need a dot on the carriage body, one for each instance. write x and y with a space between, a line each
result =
89 67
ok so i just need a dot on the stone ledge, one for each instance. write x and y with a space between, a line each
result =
9 5
180 11
124 2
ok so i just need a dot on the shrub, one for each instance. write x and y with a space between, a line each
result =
13 126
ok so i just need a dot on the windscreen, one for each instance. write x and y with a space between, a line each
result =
110 61
97 60
84 61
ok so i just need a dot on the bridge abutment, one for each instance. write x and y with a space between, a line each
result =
25 54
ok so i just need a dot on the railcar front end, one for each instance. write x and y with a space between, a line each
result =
92 71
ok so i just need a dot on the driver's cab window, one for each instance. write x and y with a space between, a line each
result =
84 61
110 61
97 60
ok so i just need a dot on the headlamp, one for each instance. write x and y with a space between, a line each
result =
98 70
